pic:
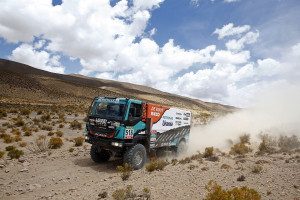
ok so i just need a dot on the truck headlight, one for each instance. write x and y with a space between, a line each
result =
116 124
117 144
86 137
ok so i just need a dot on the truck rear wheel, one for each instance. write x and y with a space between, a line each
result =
136 156
181 148
99 156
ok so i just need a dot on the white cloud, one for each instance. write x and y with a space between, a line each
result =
26 54
230 1
237 45
230 30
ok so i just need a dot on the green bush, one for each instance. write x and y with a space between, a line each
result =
125 170
9 148
156 165
78 141
2 154
15 153
215 192
55 143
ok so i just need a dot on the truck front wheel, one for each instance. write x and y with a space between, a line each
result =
136 156
99 156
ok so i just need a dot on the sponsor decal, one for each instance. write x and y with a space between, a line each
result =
165 144
155 114
167 117
185 123
129 132
153 136
179 118
185 118
100 122
178 123
187 114
165 123
178 113
142 133
109 100
157 109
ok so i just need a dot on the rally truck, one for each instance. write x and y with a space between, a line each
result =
132 129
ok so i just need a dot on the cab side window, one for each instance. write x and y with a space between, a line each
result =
135 111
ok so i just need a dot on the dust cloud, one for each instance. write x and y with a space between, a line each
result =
275 111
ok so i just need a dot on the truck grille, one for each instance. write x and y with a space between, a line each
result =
103 132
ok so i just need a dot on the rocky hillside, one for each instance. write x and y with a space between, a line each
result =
24 84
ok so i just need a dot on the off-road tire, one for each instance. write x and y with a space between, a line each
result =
135 156
181 148
99 156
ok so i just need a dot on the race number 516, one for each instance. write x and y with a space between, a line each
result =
129 132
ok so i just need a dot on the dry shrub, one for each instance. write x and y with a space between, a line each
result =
25 111
174 161
5 124
55 143
61 126
225 166
2 154
47 128
85 119
39 112
256 169
3 113
240 149
156 164
121 194
13 110
71 150
59 133
15 153
209 152
19 123
45 117
22 144
286 143
245 139
16 131
17 138
125 171
7 138
205 168
75 125
28 133
78 141
268 143
40 144
215 192
50 133
185 160
241 178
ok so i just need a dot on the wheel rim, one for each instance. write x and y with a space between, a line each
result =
138 158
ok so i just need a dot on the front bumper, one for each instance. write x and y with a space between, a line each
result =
108 143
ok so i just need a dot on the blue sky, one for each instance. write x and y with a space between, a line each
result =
222 51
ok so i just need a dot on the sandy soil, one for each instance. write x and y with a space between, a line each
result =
73 175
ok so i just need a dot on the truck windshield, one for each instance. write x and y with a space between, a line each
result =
108 110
